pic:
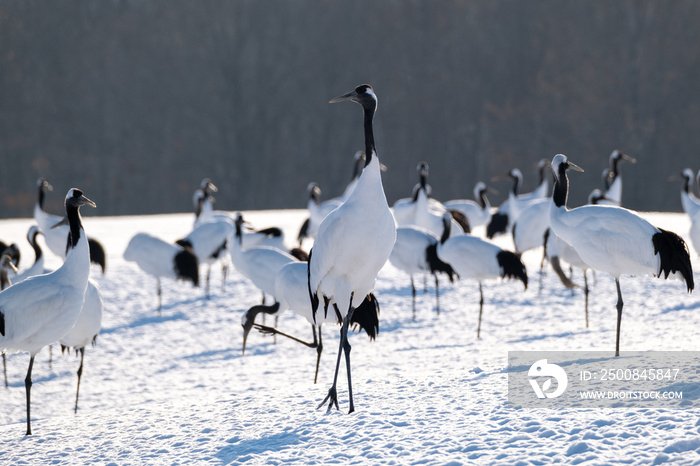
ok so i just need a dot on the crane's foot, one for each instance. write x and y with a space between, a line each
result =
331 398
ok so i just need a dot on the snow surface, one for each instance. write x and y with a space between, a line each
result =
175 389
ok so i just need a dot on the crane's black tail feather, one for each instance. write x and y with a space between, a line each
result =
512 266
366 316
498 225
97 254
187 266
673 256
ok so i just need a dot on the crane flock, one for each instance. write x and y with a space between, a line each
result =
353 237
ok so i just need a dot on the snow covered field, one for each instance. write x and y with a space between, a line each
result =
175 389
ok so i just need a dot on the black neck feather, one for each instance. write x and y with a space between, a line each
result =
75 224
686 184
37 250
42 195
482 199
446 230
369 133
561 187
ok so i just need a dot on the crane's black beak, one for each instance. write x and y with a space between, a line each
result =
85 201
349 96
574 167
7 261
627 158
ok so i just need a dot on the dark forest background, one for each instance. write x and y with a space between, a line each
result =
136 101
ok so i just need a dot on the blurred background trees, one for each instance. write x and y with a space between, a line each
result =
136 101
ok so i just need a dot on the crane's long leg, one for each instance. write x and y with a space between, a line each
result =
437 294
224 274
543 271
413 296
28 389
160 294
481 310
619 316
346 349
80 373
585 291
571 278
4 369
319 350
50 356
332 396
207 287
317 343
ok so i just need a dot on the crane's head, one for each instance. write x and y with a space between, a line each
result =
560 164
44 185
76 198
596 196
363 95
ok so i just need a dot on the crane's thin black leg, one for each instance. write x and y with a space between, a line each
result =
80 373
4 369
481 310
28 389
224 274
542 272
160 294
317 343
425 284
332 396
437 294
585 292
207 288
619 316
571 278
346 349
319 350
50 356
413 295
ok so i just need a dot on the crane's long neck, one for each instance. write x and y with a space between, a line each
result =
516 185
561 189
37 249
686 184
370 149
483 200
239 234
42 195
75 224
446 229
77 264
614 166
